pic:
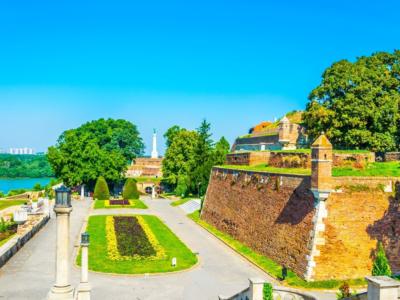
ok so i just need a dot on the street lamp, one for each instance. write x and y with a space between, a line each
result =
63 197
198 189
84 288
62 288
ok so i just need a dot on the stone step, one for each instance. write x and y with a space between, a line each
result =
191 206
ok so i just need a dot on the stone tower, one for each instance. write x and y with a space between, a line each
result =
284 132
321 168
154 152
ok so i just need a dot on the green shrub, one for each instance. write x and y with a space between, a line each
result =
344 291
381 265
267 292
130 190
101 191
182 187
16 192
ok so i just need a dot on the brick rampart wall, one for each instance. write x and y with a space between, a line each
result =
270 213
392 156
355 221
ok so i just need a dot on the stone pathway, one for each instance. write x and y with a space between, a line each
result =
221 271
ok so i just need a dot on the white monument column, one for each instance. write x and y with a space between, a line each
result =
62 288
154 153
82 192
84 286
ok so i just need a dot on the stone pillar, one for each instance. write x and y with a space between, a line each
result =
62 289
84 286
382 288
82 192
153 192
256 288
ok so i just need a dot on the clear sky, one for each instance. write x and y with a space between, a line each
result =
160 63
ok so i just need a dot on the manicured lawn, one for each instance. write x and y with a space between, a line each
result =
181 201
100 261
386 169
266 168
7 203
267 264
147 179
136 203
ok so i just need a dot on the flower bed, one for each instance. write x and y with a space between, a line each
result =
130 237
104 248
119 202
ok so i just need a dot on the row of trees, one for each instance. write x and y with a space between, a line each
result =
357 103
189 158
33 166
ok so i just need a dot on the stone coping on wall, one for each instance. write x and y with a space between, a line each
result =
232 171
11 247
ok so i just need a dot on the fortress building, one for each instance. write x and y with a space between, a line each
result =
319 226
288 133
147 166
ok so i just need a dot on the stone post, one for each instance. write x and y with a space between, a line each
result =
82 192
84 286
153 192
382 288
62 289
256 288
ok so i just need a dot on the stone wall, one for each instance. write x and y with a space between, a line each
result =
392 156
289 159
271 213
362 211
248 158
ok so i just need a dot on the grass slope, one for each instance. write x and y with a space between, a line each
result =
181 201
136 203
267 264
385 169
99 261
7 203
266 168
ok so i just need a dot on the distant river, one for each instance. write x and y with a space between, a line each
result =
7 184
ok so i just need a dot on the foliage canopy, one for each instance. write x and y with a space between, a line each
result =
357 104
101 147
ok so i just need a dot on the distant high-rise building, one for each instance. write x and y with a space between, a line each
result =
21 151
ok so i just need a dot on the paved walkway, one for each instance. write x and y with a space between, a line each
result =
30 273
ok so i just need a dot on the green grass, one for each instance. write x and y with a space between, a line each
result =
134 203
266 168
148 179
99 261
6 240
268 265
181 201
7 203
385 169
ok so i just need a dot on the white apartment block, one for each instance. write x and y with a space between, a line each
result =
19 151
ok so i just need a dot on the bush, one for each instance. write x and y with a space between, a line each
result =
182 188
267 292
37 187
381 265
344 291
130 190
101 191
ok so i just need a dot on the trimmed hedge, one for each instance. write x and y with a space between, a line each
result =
101 191
130 190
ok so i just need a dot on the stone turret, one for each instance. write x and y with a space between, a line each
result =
321 168
284 132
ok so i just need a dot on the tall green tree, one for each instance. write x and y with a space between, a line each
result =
171 134
179 157
357 104
102 147
203 158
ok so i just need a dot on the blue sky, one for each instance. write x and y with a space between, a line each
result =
160 63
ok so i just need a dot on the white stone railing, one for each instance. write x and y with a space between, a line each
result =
255 292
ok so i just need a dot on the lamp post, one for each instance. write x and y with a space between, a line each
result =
84 286
62 288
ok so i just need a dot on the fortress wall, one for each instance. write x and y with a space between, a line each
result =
354 222
271 213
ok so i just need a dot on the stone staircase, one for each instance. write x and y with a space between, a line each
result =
191 206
